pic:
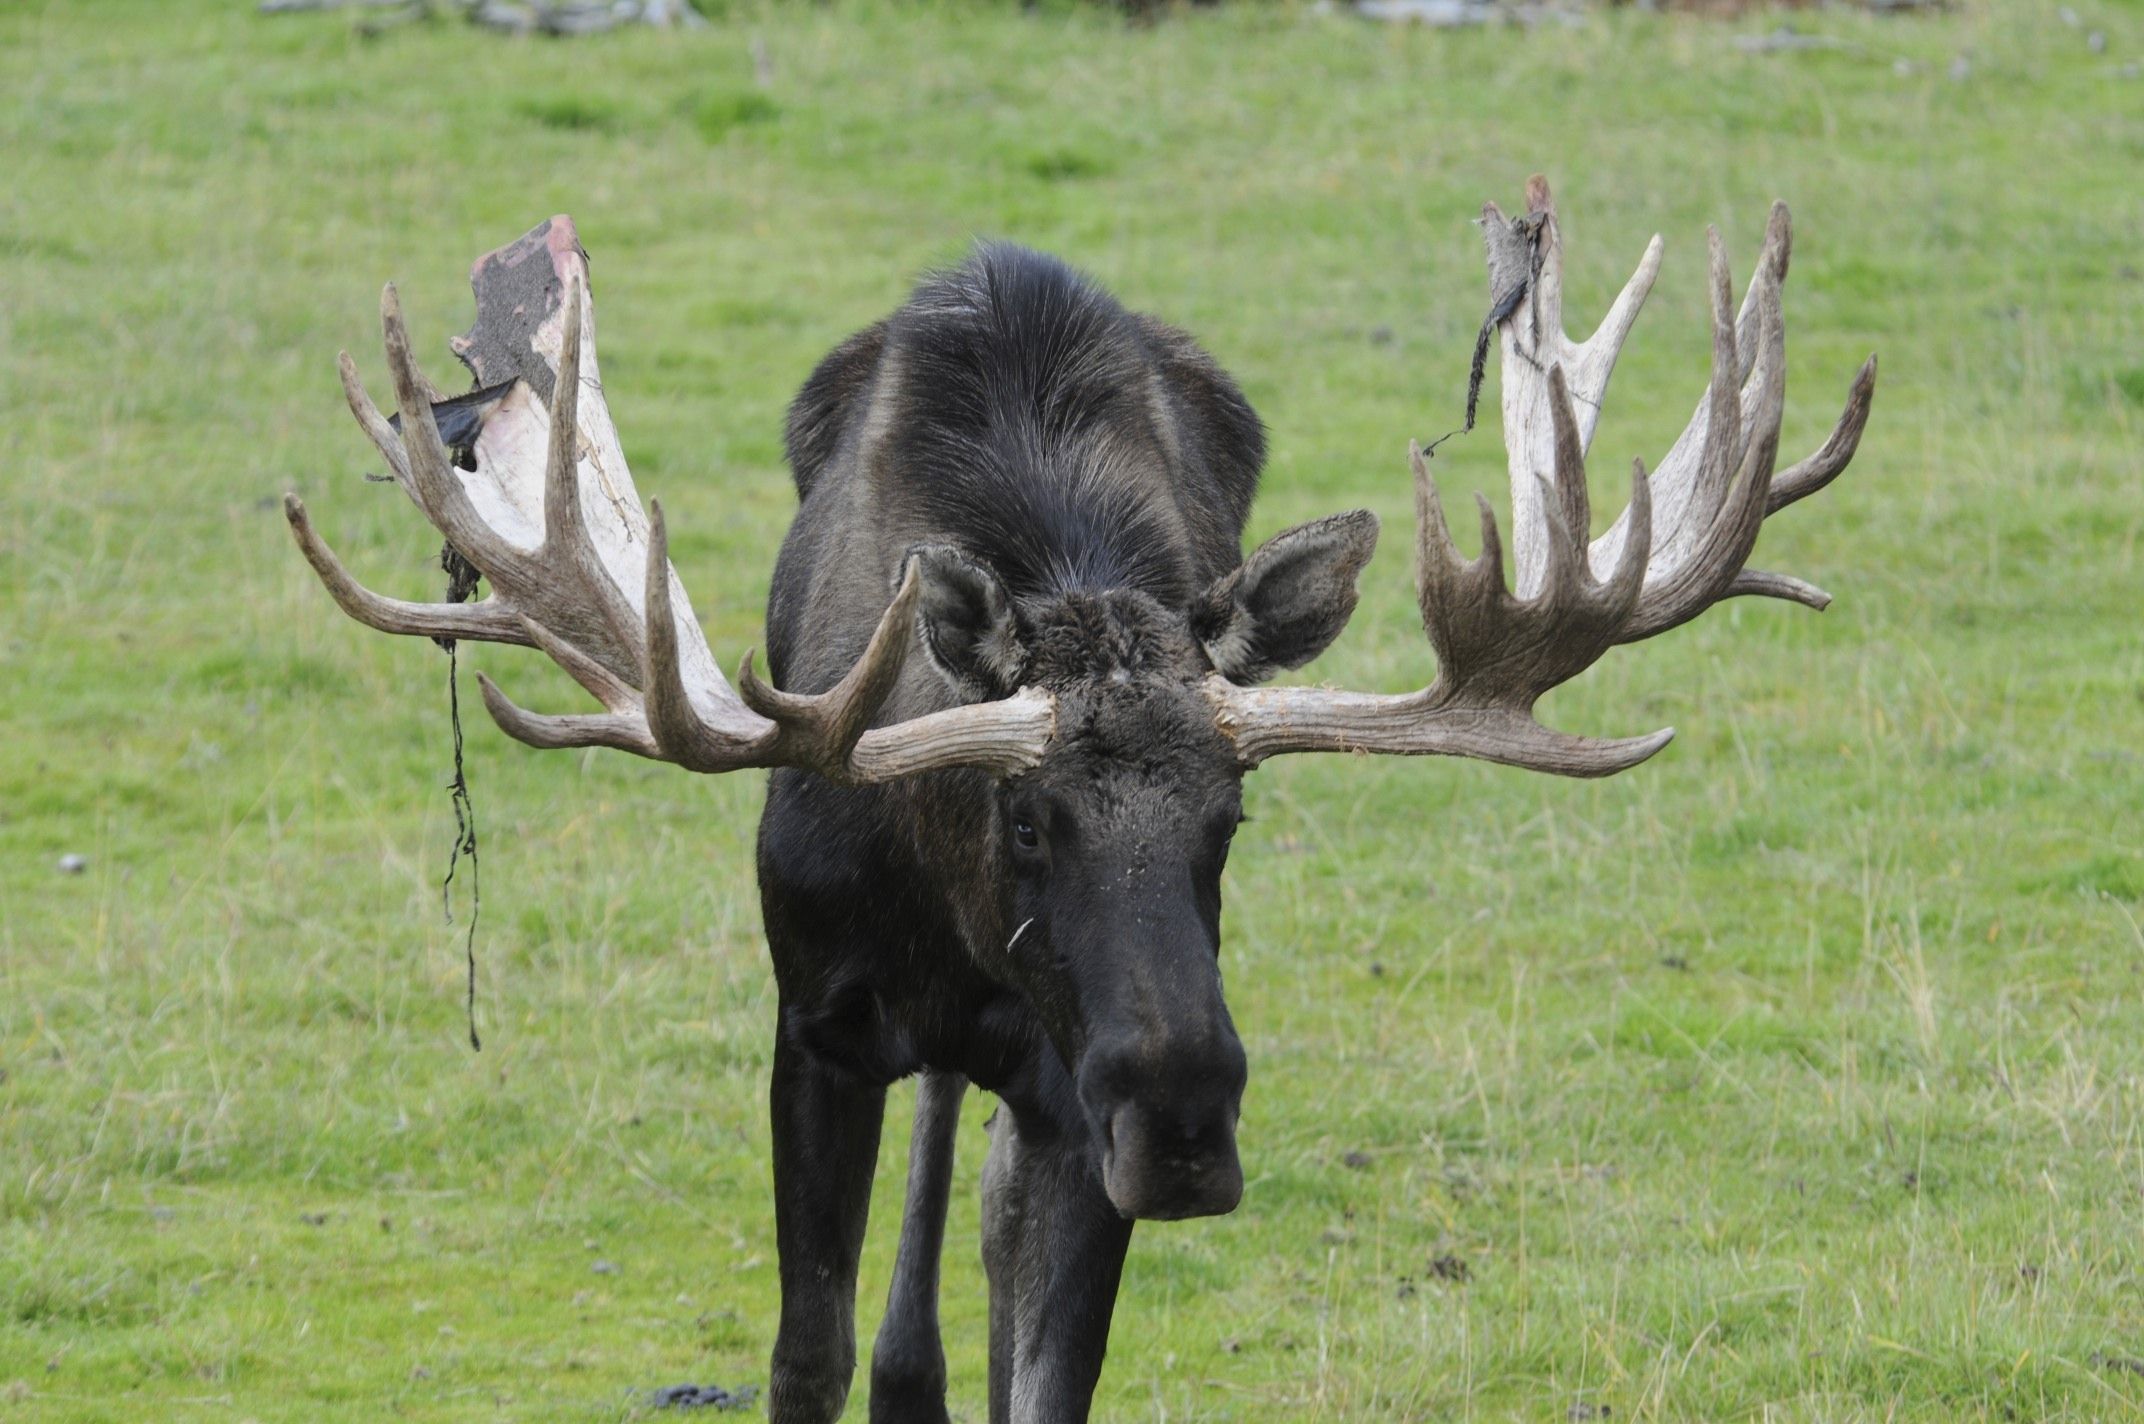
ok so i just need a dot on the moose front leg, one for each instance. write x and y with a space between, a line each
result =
908 1357
1053 1247
826 1125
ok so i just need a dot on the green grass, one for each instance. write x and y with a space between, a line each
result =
1795 1076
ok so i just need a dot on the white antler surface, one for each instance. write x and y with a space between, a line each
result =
1677 549
533 490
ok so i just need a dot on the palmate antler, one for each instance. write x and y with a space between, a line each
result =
1677 549
549 515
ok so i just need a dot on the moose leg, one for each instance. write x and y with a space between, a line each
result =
1054 1250
826 1124
908 1358
1002 1206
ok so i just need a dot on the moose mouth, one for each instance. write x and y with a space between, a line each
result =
1147 1180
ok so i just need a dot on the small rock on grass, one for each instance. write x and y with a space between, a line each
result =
703 1396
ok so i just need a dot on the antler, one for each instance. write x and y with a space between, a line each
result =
1677 549
547 512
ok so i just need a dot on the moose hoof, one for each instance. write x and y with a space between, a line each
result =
806 1394
902 1393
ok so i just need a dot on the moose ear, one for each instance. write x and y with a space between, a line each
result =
968 624
1287 602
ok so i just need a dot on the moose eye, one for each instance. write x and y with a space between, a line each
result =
1023 835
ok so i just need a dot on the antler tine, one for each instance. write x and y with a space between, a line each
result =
678 728
1449 586
821 730
1692 480
614 692
1438 564
1488 566
565 529
1809 475
1587 364
432 476
1772 261
1627 583
486 621
1722 444
1781 586
377 430
575 729
604 615
1437 560
1709 556
1534 345
1600 350
1576 500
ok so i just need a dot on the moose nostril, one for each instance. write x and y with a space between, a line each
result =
1109 1133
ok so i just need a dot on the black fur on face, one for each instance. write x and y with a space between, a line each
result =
1118 839
1117 843
1279 609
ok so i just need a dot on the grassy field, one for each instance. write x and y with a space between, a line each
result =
1798 1075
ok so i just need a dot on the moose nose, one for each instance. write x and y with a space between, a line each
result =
1167 1129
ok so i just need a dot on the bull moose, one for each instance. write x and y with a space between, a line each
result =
1000 862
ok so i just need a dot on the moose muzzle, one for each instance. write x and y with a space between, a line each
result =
1165 1123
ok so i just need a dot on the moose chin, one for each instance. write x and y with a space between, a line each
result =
1014 656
